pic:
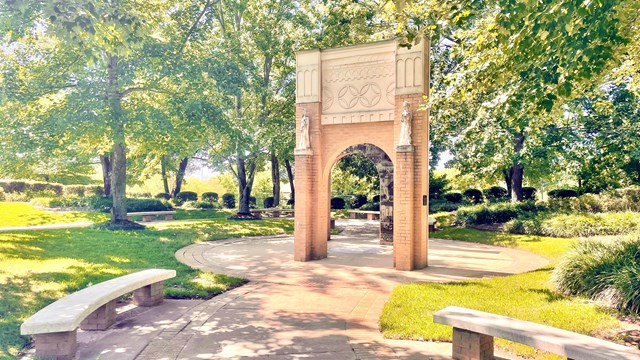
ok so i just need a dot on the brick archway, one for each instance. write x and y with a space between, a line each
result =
350 96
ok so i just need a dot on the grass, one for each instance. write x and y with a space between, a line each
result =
23 214
528 296
38 267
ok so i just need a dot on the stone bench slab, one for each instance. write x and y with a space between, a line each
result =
151 213
66 314
544 337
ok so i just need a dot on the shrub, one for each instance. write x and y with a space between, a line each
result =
184 196
268 202
474 195
74 190
291 202
375 198
437 186
496 193
229 201
337 203
487 214
138 205
440 206
606 271
528 193
453 197
210 196
576 225
163 196
140 195
358 200
204 205
562 193
252 202
372 206
1 194
13 186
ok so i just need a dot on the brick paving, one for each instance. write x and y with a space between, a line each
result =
327 309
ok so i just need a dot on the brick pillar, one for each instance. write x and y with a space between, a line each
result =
150 295
403 209
311 223
469 345
102 318
56 346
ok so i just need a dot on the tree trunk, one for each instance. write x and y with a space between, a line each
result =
518 170
275 178
163 171
182 170
287 164
508 176
119 152
105 160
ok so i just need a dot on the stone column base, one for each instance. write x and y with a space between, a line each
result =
102 318
150 295
56 346
469 345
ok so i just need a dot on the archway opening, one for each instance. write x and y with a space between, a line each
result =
362 179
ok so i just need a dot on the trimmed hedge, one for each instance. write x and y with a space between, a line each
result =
529 193
562 193
474 195
210 196
268 202
204 205
454 197
229 201
496 213
291 202
375 198
163 196
372 206
576 225
29 187
252 202
605 271
496 193
186 196
337 203
358 200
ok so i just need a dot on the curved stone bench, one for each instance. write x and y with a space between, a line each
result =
473 333
93 308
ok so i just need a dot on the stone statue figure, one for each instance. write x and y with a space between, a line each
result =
405 124
304 131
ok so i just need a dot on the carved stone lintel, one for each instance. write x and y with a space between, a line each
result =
404 148
302 152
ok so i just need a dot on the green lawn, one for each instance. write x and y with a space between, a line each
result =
23 214
529 296
38 267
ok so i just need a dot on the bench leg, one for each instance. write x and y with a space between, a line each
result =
147 218
58 346
352 215
150 295
102 318
168 217
469 345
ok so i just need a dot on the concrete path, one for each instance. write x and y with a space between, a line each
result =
327 309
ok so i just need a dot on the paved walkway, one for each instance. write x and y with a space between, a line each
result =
326 309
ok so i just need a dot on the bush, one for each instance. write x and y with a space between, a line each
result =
1 194
437 186
496 193
203 205
291 202
138 205
13 186
562 193
605 271
25 190
268 202
453 197
576 225
528 193
210 196
186 196
163 196
442 205
229 201
496 213
74 190
252 202
474 195
375 198
372 206
337 203
358 200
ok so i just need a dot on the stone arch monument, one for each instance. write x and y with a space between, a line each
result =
350 98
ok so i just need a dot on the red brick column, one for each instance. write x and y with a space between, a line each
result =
102 318
57 346
150 295
469 345
403 198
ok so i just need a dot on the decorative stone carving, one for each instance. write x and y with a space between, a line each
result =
304 144
410 70
405 125
308 76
